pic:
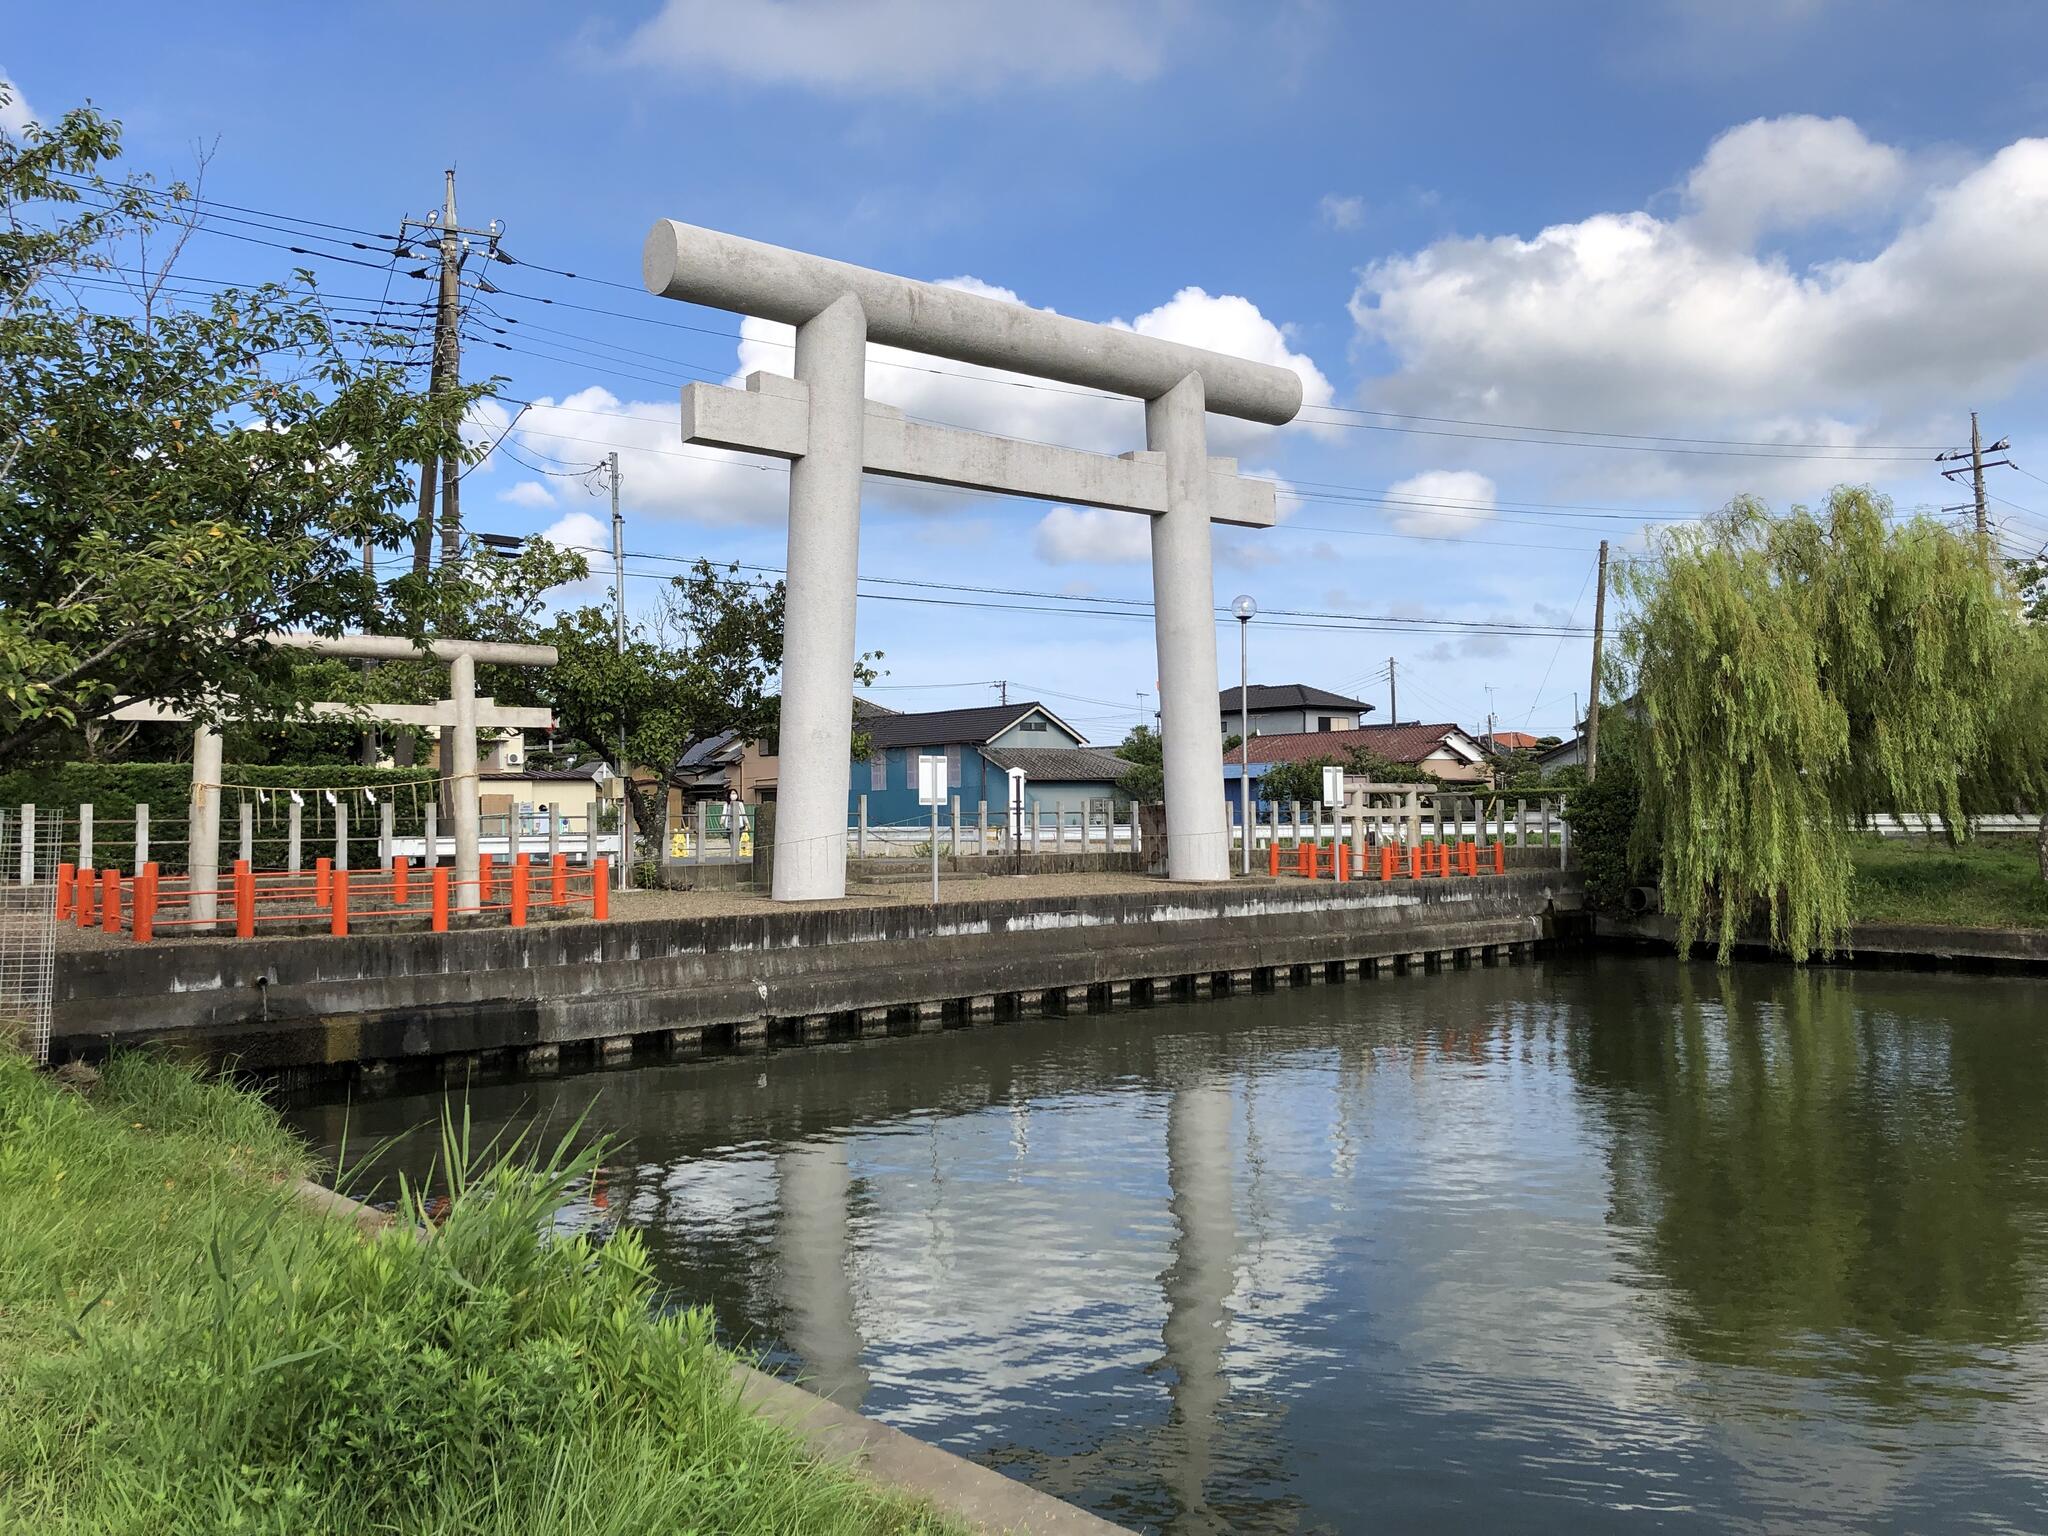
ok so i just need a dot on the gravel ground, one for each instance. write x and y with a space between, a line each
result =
72 939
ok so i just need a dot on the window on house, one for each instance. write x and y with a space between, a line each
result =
1033 724
1325 723
878 771
952 767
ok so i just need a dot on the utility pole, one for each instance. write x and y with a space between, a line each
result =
1492 746
625 876
446 371
1002 693
1393 705
1976 472
1593 703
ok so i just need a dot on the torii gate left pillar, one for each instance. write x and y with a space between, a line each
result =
825 425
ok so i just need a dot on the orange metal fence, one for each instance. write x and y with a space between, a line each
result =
1384 861
147 902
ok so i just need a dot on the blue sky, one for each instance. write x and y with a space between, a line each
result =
1760 221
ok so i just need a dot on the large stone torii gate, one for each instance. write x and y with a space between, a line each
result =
823 422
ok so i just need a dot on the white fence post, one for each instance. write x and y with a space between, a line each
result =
341 832
245 825
981 825
28 844
85 836
294 837
141 834
433 834
860 840
554 834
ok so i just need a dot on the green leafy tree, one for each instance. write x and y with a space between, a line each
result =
1145 780
1289 783
706 664
175 482
1796 675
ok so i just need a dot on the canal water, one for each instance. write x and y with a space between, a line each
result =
1595 1244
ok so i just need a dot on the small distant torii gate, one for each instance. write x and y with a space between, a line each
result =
457 718
824 424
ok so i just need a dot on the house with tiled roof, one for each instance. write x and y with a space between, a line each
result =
1287 708
1444 751
980 745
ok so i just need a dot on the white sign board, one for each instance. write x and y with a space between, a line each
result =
1016 790
1333 786
931 781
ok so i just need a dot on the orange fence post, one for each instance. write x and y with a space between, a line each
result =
1340 861
67 875
1443 860
83 889
145 904
1390 861
1415 861
521 889
440 898
1273 859
110 901
601 889
483 880
245 900
338 891
323 882
1500 857
401 880
1305 860
558 880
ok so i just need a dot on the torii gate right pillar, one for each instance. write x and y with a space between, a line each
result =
1184 609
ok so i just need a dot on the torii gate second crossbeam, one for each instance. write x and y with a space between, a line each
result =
823 422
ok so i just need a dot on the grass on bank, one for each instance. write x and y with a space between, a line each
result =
184 1347
1993 882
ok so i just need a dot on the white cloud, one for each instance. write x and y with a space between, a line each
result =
878 47
528 493
1012 405
1093 536
15 113
581 532
1341 212
658 472
1629 322
1783 173
1469 494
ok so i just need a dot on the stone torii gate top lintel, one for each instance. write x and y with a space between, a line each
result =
831 433
703 266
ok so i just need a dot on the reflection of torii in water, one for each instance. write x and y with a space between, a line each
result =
1180 1456
814 1280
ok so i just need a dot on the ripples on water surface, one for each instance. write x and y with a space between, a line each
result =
1600 1244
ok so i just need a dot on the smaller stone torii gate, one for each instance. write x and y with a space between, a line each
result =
823 423
457 718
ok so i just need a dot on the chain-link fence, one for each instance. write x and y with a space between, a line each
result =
28 922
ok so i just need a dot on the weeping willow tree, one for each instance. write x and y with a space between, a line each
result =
1797 675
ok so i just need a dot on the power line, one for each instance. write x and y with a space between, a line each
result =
1368 418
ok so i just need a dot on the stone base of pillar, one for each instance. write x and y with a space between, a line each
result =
1242 981
813 1027
874 1021
687 1042
750 1034
615 1048
540 1060
982 1006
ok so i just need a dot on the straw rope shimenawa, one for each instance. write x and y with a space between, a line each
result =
985 1500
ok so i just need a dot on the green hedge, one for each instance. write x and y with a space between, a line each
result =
113 790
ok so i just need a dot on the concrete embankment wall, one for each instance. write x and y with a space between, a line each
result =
1902 944
308 1002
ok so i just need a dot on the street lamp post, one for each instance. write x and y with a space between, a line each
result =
1244 608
